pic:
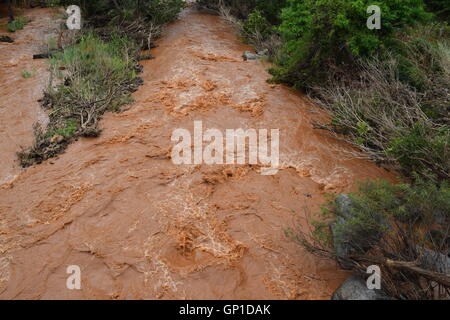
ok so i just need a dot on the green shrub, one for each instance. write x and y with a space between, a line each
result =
384 222
424 63
18 24
439 7
257 24
271 10
417 203
387 119
322 33
158 11
421 149
26 74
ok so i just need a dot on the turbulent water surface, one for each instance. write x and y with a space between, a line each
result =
138 225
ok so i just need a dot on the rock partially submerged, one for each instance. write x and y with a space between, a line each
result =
6 39
250 56
255 56
355 288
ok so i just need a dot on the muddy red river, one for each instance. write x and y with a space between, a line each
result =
141 227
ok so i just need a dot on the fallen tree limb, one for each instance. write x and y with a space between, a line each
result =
441 278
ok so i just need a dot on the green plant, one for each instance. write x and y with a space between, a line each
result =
389 120
439 7
423 54
256 24
26 74
422 149
322 33
163 11
18 24
403 228
271 10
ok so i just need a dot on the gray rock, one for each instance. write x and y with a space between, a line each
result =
433 260
346 245
343 206
355 288
342 247
250 56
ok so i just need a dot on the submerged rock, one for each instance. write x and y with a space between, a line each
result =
6 39
250 56
355 288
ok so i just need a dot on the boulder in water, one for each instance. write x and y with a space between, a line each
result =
355 288
6 39
250 56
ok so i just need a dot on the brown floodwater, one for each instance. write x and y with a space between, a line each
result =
141 227
19 108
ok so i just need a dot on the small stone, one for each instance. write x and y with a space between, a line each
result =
250 56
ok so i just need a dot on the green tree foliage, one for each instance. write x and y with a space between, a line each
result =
319 33
270 9
257 23
157 11
440 7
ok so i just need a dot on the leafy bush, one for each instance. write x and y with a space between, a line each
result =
238 8
386 119
323 33
256 23
422 149
157 11
403 228
163 11
377 202
271 9
26 74
440 7
18 24
423 54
